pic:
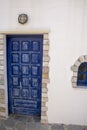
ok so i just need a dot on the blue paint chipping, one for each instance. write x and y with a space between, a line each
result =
24 73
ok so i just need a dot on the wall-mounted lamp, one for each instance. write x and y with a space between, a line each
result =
22 18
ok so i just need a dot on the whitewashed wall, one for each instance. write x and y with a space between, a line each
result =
4 14
67 21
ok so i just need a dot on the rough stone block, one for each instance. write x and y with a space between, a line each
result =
44 118
45 47
45 53
1 68
46 36
2 109
74 85
44 90
1 77
45 64
75 74
1 72
2 105
1 40
44 121
45 76
44 109
2 93
74 79
77 63
1 46
43 114
46 58
1 86
2 101
44 99
1 82
82 59
46 42
2 115
1 52
1 63
44 95
45 80
1 36
45 70
1 57
85 58
43 104
44 85
74 68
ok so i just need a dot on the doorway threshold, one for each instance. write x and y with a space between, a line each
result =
25 118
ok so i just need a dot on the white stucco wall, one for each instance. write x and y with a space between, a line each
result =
4 13
67 21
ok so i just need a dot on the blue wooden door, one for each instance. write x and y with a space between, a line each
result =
24 73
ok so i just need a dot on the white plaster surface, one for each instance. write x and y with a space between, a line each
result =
67 21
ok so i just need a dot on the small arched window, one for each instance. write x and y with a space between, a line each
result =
82 74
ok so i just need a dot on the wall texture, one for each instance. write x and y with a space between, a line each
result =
67 21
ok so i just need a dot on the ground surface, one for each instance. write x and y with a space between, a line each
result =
33 123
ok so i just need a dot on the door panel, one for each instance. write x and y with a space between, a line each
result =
24 72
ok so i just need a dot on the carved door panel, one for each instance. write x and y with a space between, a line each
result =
24 72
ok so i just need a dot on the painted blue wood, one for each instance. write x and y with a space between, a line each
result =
82 75
24 73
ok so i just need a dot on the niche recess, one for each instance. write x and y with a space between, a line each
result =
79 78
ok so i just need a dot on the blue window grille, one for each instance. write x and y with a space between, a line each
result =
82 75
